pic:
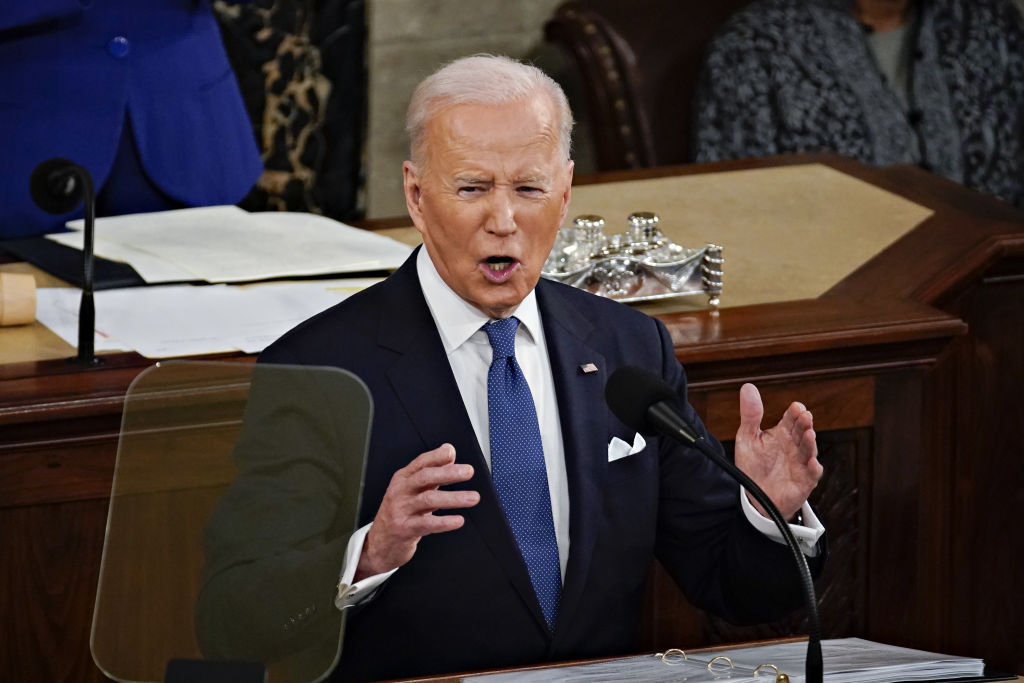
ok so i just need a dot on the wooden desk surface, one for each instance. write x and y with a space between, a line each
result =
788 232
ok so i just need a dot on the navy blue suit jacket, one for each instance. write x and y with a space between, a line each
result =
464 601
65 91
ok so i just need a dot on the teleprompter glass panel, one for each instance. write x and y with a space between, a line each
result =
235 491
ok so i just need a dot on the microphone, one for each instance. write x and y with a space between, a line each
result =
58 186
645 403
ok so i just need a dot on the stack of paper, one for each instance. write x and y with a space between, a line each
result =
227 244
853 660
184 320
846 660
217 244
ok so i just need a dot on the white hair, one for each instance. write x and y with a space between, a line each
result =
483 79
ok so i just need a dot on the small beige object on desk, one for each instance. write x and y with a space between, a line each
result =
17 299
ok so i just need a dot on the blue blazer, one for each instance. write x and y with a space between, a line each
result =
465 601
71 71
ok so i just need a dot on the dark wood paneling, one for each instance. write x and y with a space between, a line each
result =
837 403
907 547
54 493
48 578
987 470
57 470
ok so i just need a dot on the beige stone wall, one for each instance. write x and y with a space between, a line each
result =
407 40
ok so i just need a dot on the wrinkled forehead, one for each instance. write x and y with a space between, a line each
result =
529 125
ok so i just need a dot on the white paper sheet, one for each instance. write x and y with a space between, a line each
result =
57 308
227 244
184 320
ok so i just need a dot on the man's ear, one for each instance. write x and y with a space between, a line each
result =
413 193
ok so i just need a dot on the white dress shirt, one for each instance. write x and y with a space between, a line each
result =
469 353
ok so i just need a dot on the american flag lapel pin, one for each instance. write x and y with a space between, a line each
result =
588 368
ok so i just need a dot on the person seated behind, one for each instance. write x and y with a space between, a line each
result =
509 517
141 94
937 83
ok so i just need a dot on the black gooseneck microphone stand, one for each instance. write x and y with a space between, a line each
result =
57 186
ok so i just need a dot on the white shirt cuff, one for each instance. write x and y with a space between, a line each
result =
350 593
806 535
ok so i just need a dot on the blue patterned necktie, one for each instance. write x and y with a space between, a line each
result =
517 466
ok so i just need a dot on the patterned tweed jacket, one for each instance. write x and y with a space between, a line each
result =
798 76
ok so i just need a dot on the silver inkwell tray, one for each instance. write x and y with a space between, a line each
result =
640 264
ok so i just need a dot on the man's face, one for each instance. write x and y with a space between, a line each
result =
489 198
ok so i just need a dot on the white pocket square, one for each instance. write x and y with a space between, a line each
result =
617 448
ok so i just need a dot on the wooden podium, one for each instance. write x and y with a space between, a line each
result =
911 361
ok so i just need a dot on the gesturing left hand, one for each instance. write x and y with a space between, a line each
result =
782 460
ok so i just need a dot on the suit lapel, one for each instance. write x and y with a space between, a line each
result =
422 379
583 416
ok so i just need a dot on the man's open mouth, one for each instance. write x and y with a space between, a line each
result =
499 269
499 263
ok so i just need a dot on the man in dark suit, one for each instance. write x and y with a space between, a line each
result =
445 576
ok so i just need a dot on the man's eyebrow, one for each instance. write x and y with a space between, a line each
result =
471 180
532 180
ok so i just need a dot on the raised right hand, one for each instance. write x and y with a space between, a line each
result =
406 513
